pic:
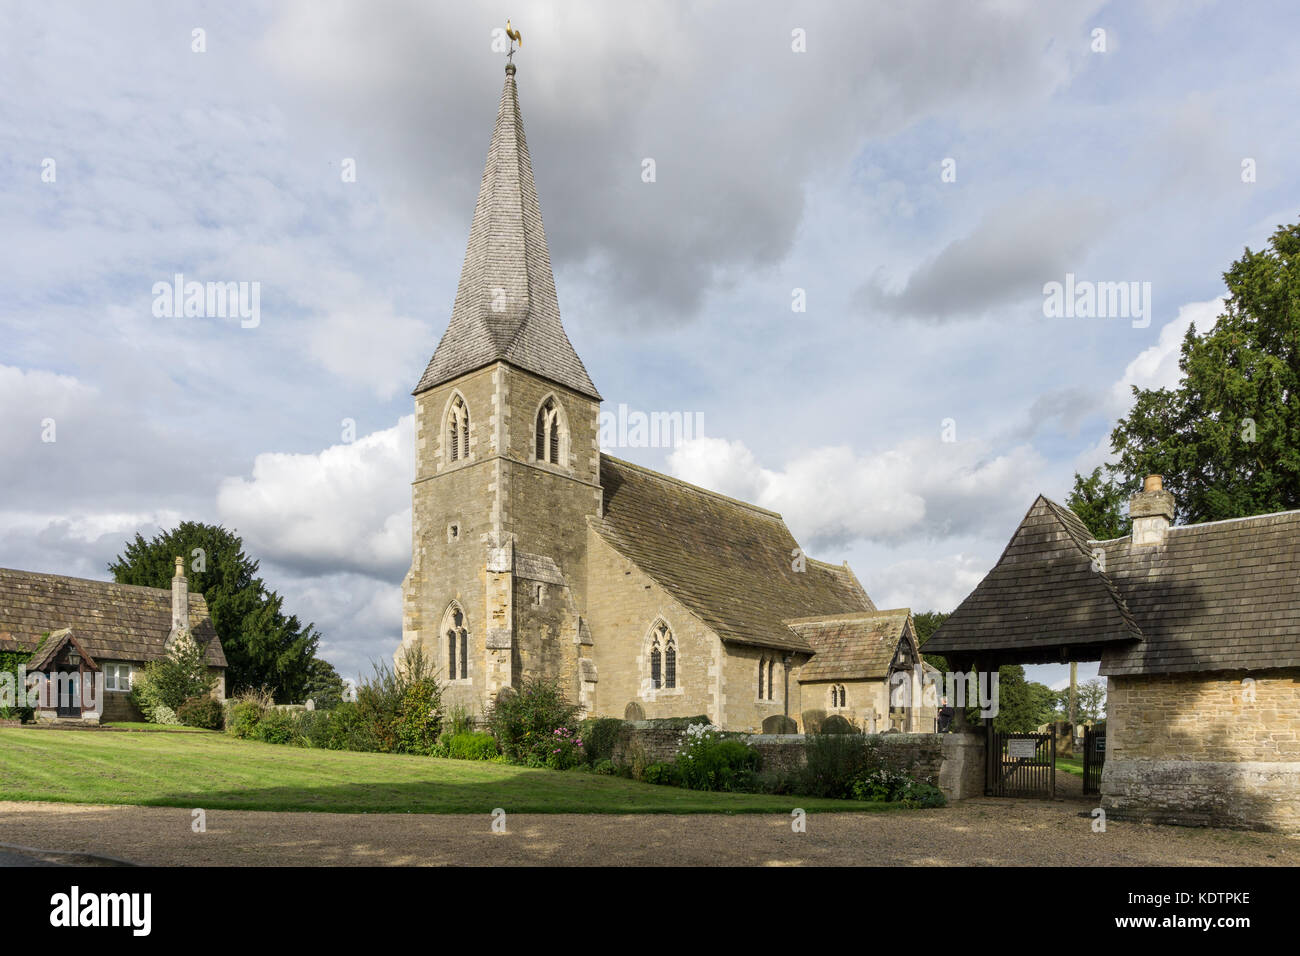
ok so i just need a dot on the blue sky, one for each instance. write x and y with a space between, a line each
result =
776 170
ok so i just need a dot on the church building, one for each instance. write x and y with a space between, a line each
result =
535 555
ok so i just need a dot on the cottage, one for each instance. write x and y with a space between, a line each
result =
1197 630
88 639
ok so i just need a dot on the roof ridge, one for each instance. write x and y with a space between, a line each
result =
70 577
848 616
701 490
1205 524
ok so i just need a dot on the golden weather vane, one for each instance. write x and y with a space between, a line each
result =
515 37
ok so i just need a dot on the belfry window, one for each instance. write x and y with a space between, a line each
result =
457 430
550 433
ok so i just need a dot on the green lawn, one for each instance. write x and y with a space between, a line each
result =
146 727
215 771
1072 765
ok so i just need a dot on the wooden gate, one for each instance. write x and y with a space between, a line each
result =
1020 765
1094 758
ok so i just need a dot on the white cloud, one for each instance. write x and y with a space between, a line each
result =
925 584
347 508
1157 366
370 348
831 496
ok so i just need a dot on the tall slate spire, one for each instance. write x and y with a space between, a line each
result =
506 308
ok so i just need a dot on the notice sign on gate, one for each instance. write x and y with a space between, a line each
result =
1020 749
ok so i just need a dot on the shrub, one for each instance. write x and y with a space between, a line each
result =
891 786
605 768
526 724
9 664
204 712
245 711
599 735
278 727
399 708
708 761
834 762
162 714
664 774
172 680
472 746
459 720
342 729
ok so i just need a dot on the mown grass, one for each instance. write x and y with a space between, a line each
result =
215 771
1072 765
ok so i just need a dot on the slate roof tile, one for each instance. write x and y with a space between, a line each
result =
729 562
113 622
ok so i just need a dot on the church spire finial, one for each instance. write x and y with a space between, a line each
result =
515 37
506 309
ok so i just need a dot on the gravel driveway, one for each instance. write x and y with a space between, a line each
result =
974 832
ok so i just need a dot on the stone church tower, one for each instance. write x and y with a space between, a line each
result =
507 459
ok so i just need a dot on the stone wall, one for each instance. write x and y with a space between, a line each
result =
953 762
1211 749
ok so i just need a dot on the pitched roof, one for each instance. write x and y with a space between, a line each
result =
852 646
48 651
1221 595
1042 595
506 308
729 562
114 622
1224 595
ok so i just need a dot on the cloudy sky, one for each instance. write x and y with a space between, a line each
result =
918 170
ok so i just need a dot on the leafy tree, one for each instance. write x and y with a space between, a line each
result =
1092 701
1100 504
1227 438
172 680
926 623
263 645
324 685
1023 705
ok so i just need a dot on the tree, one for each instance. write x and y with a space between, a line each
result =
1023 706
1227 438
324 686
173 679
926 623
1092 701
263 645
1100 504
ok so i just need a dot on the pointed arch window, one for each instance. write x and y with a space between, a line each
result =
457 430
457 646
656 662
550 436
663 657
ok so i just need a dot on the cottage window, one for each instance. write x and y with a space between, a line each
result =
117 677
